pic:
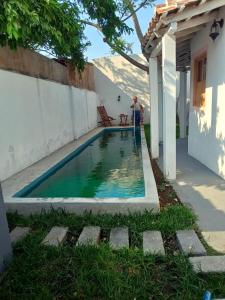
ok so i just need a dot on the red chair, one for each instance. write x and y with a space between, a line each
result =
106 120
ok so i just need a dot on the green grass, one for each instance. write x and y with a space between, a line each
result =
137 223
147 132
39 272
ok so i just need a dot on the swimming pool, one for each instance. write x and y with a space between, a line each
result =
110 165
108 170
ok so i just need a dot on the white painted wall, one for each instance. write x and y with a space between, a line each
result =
206 140
115 76
39 116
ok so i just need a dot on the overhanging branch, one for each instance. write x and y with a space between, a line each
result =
135 10
127 57
116 49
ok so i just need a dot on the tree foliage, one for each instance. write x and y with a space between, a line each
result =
57 26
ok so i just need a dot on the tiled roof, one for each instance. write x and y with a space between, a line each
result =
171 7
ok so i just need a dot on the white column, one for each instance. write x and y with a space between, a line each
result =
169 105
160 93
5 243
182 104
154 115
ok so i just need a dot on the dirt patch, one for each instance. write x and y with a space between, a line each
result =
167 195
71 239
170 244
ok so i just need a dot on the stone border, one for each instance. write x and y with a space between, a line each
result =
77 205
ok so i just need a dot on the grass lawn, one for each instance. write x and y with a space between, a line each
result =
147 132
39 272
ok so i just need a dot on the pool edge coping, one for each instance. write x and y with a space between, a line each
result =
149 201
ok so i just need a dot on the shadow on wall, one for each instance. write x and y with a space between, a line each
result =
210 137
125 77
109 93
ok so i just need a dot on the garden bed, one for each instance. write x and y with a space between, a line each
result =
167 195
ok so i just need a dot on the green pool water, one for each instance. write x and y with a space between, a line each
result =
111 166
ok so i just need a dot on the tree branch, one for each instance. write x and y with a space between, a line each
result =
135 10
137 24
137 27
127 57
91 24
119 51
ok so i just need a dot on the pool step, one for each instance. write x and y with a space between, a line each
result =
208 264
153 243
90 235
56 236
189 243
119 238
19 233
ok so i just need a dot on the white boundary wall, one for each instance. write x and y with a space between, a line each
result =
206 140
114 76
38 117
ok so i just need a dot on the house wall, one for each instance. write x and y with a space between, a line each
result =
206 140
39 116
115 76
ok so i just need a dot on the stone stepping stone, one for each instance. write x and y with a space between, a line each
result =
56 236
153 243
189 243
208 264
90 235
119 238
19 233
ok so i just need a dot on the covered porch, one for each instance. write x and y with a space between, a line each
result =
204 191
168 44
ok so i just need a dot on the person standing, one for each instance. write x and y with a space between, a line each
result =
137 109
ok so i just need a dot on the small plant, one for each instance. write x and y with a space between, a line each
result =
162 187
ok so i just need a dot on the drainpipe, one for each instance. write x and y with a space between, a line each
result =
5 242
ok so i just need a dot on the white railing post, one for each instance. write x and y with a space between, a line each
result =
154 106
160 91
169 105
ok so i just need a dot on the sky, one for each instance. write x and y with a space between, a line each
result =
98 48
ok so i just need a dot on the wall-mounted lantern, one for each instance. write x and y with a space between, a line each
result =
215 29
118 99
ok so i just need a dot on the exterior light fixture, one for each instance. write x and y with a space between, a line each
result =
118 99
215 29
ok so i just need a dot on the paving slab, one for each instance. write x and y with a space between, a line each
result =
90 235
119 238
56 236
189 243
19 233
208 264
153 243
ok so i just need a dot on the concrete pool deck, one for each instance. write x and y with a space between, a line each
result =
204 191
78 205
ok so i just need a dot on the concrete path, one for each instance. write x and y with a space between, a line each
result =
189 243
90 235
119 238
205 191
56 236
208 264
18 234
153 243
